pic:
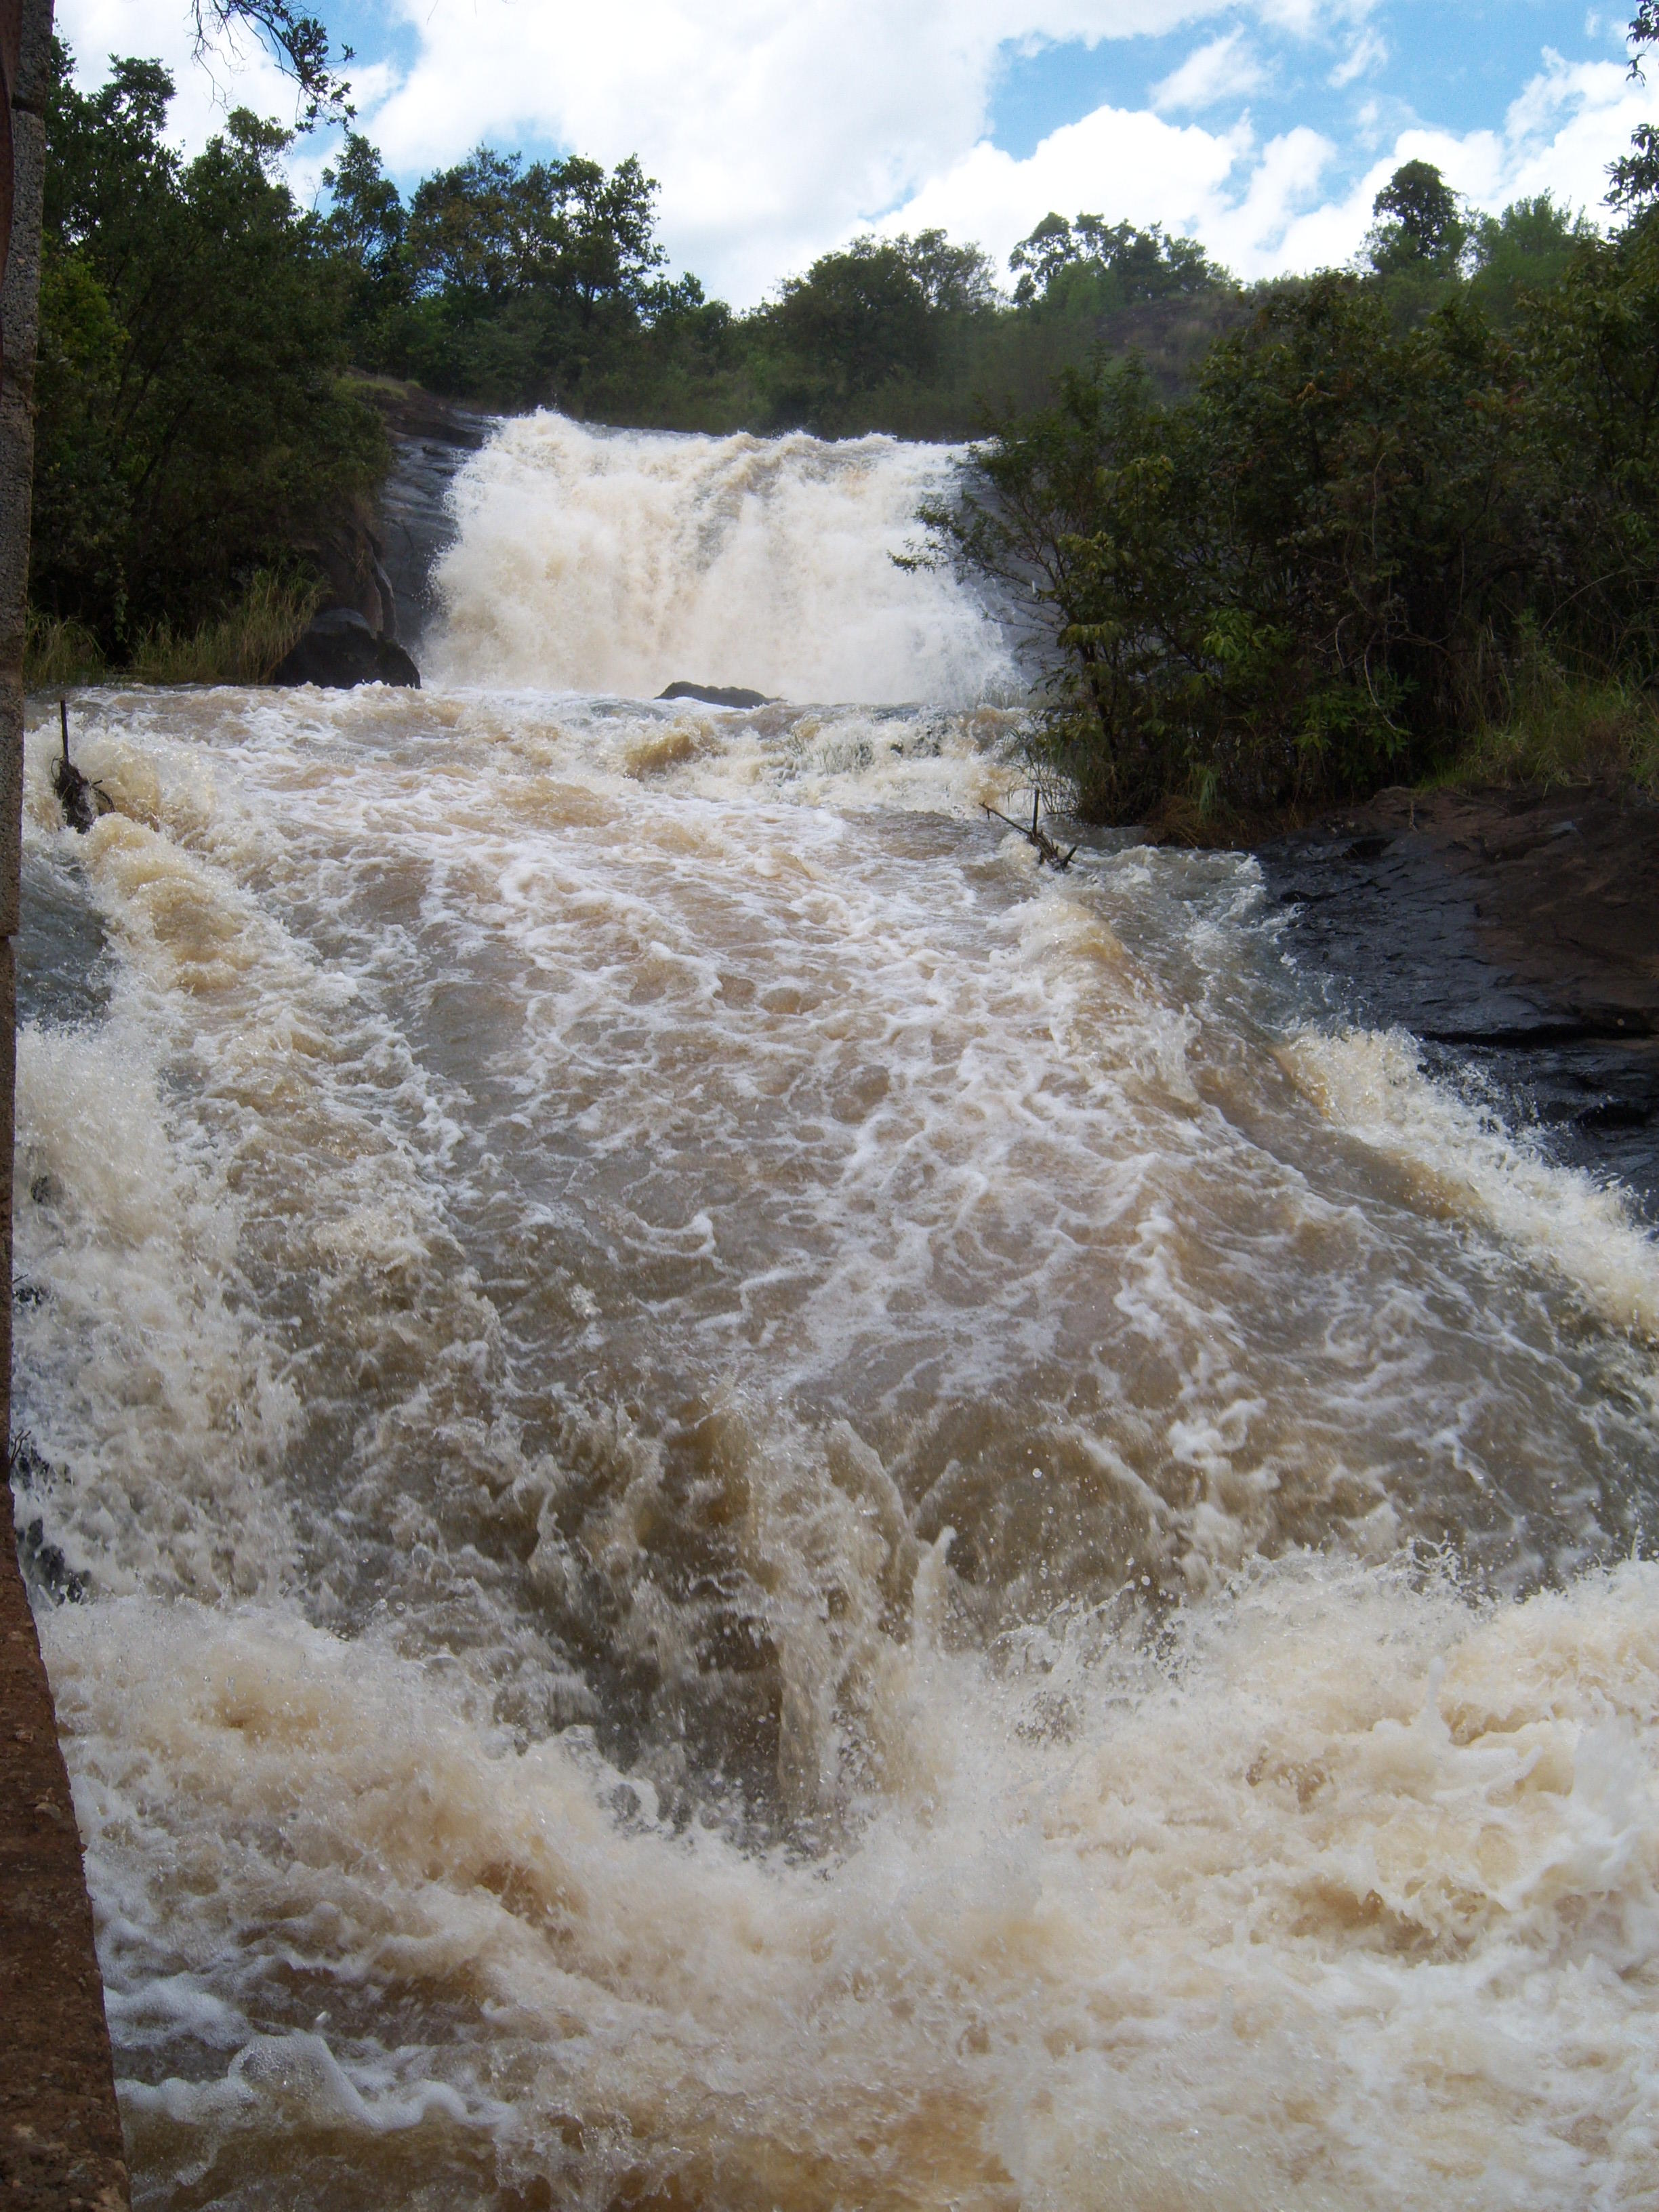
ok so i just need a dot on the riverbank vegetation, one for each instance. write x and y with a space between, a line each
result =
1364 542
1277 545
195 429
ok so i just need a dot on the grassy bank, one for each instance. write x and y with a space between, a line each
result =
1558 733
241 647
1562 731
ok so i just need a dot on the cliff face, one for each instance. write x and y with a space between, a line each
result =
60 2134
431 440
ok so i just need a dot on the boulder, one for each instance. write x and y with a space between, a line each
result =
715 695
340 650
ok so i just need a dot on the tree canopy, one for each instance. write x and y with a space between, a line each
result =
1338 556
192 423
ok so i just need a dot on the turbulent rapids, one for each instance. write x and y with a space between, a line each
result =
773 1512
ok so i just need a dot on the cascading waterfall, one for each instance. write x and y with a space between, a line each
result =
779 1513
623 561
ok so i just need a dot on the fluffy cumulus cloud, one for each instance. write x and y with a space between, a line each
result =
776 128
773 126
160 29
1264 205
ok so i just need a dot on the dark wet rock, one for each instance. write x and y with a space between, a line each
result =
350 554
45 1569
340 650
432 441
1516 935
715 695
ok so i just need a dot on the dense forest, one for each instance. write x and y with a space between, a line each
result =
1280 542
1403 509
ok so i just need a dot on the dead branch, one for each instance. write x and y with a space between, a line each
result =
1034 835
82 799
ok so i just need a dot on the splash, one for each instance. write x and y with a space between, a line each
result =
621 561
1350 1898
1372 1084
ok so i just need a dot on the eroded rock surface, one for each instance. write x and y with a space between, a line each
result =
340 651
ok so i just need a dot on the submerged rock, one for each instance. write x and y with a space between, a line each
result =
715 695
339 651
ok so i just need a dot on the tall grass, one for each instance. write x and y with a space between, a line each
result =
1561 728
57 654
241 647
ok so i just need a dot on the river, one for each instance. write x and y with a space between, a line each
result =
764 1510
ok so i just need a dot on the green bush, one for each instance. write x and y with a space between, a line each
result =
1333 563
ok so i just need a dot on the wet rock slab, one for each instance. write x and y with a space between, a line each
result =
1517 935
432 441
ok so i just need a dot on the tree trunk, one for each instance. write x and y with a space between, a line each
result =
19 323
60 2133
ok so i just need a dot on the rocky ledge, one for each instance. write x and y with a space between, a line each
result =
1516 933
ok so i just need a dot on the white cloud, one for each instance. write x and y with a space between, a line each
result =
1121 162
1224 70
1369 51
777 128
772 126
240 76
1258 209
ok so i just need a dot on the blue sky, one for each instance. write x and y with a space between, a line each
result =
1457 65
777 128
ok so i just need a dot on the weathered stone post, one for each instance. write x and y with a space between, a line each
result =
60 2134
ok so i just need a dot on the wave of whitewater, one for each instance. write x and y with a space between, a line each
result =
779 1514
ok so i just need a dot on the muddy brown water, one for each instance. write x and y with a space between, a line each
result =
777 1512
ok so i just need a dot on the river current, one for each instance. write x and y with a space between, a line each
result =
761 1509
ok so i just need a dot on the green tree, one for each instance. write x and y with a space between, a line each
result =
857 320
365 230
191 425
1529 247
1319 570
1114 264
510 283
1421 223
1634 177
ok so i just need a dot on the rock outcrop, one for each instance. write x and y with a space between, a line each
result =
351 555
340 650
715 695
432 441
1516 935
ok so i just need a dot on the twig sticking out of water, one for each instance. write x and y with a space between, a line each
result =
1046 847
82 800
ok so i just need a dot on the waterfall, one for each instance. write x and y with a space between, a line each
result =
623 561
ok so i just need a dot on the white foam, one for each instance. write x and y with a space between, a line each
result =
623 561
668 1222
1371 1084
1352 1899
